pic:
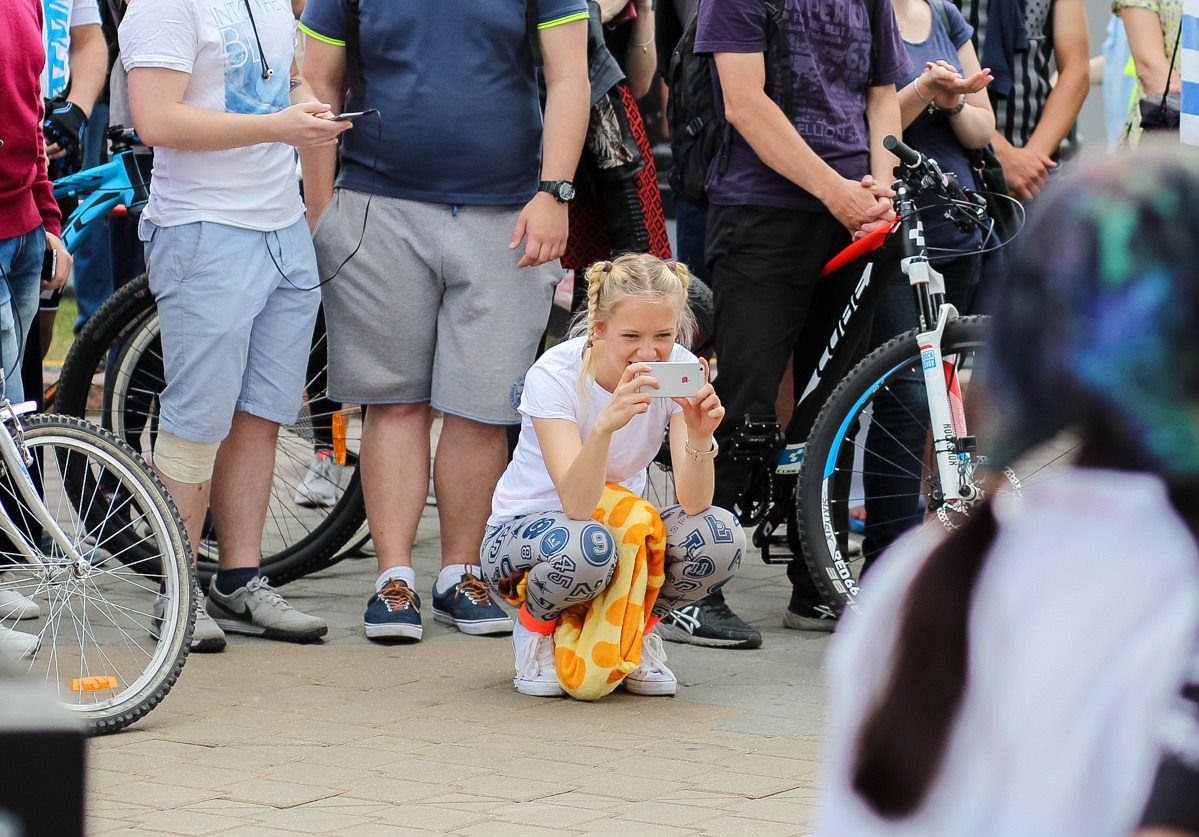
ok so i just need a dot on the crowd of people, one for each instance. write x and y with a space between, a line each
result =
485 150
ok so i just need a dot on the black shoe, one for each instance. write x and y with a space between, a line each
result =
803 615
708 622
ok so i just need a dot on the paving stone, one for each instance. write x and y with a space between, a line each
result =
188 821
277 794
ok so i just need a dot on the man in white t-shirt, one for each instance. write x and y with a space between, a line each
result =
233 271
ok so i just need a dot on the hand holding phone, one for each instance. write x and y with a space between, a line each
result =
676 379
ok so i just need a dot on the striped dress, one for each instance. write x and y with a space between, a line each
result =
1017 115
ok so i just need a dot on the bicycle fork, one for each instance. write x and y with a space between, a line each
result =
952 446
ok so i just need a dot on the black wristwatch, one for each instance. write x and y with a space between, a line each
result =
562 190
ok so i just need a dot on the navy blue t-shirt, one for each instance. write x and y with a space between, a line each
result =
454 83
932 135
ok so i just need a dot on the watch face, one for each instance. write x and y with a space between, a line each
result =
566 191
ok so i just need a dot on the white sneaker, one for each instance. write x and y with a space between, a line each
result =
652 677
18 645
14 605
536 674
321 484
206 635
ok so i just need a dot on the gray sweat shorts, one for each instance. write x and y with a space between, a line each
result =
430 306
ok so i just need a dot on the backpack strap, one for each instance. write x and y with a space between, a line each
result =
939 8
353 51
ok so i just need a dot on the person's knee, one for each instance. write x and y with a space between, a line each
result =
711 545
581 558
183 460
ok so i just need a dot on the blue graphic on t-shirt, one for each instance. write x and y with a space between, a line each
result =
246 91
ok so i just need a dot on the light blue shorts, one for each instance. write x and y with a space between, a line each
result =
237 309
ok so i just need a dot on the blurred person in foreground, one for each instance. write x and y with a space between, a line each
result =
1028 674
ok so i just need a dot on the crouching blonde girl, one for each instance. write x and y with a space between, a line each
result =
585 425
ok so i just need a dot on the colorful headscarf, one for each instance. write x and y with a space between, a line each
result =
1099 315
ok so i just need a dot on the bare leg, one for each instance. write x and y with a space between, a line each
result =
191 499
394 463
471 457
241 489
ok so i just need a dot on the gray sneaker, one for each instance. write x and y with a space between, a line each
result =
207 635
258 610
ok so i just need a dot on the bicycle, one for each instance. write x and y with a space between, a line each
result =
811 487
93 546
114 374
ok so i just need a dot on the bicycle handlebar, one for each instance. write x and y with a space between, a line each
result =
907 155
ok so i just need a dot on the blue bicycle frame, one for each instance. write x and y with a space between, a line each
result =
106 187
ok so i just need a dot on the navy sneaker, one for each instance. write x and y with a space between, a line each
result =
708 622
393 612
468 607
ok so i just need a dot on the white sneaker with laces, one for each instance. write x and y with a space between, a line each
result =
321 484
536 673
18 645
14 605
652 677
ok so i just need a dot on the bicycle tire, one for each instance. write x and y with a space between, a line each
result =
123 335
831 485
103 649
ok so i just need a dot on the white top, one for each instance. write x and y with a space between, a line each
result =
1082 627
58 18
552 392
253 187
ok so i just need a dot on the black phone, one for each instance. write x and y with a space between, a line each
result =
354 114
49 265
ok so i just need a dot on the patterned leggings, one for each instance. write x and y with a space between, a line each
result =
571 561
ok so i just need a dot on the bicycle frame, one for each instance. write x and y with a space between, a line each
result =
854 270
108 187
17 461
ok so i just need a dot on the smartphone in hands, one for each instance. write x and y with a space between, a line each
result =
676 378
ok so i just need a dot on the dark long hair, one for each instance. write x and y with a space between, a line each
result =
1056 366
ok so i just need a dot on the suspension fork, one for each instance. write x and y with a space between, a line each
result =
951 448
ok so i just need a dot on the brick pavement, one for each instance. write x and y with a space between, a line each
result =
352 738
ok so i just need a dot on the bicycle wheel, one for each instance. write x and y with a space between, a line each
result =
114 374
112 636
868 474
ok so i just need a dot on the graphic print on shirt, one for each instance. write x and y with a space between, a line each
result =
246 91
58 46
839 34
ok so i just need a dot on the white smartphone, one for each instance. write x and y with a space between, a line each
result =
676 378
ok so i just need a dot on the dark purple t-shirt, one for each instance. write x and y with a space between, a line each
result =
834 62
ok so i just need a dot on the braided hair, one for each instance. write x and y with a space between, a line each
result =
633 276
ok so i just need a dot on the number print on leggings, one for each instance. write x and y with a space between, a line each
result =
554 541
701 567
562 572
538 526
597 545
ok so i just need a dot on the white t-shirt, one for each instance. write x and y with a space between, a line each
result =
213 40
59 17
1082 628
552 391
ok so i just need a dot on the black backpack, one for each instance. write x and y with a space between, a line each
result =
698 130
